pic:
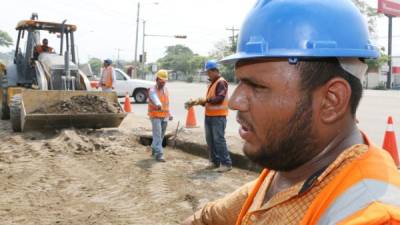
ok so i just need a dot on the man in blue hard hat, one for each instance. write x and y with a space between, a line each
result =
216 111
299 66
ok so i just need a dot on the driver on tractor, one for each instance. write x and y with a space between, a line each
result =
42 48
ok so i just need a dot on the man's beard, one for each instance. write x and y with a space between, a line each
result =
289 145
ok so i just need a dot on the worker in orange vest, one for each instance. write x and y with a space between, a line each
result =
216 111
107 79
299 65
44 47
159 113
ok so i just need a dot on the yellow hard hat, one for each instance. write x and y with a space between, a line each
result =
162 74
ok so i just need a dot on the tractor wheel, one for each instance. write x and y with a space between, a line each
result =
5 110
140 95
15 113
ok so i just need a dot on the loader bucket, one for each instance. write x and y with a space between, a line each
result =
34 115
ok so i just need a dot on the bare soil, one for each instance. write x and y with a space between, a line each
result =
101 177
81 104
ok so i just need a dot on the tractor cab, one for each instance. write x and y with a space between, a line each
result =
56 61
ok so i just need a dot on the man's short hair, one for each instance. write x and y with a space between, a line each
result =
214 69
316 72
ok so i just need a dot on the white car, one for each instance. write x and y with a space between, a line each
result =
136 88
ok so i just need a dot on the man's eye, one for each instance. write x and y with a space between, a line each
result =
255 85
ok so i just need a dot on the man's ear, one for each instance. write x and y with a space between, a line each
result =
334 100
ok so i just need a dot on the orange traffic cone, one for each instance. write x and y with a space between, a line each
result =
389 142
191 118
127 103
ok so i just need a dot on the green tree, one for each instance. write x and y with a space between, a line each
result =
377 63
224 48
5 39
181 59
371 15
95 64
6 57
369 12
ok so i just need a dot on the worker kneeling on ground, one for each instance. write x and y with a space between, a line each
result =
158 111
44 47
299 64
216 110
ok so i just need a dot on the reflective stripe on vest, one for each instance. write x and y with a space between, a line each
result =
350 191
216 109
163 95
374 165
359 197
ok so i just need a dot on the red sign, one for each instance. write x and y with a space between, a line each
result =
396 69
389 7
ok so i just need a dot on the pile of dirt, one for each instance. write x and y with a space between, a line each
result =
81 104
102 176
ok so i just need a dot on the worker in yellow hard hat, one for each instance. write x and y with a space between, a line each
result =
158 111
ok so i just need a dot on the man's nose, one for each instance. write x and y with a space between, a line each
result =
238 100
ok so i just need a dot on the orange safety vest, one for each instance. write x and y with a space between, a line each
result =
153 112
40 49
108 79
216 109
367 191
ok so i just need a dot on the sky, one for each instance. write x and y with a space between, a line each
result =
106 28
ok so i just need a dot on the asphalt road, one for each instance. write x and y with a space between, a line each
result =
374 109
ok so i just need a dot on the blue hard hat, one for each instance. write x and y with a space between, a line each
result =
303 29
211 64
108 61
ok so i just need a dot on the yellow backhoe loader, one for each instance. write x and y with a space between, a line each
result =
36 83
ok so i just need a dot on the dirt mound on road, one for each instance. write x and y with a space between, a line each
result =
81 104
101 177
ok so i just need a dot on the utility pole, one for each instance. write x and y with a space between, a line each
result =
143 56
136 41
233 37
389 74
233 48
118 50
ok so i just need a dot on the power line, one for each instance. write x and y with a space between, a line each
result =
233 34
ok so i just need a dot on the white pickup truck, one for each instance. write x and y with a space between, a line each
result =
136 88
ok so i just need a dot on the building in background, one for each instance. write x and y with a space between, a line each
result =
376 78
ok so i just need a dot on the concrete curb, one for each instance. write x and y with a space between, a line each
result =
238 160
189 140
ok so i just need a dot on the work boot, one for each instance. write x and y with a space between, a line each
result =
160 159
211 166
224 168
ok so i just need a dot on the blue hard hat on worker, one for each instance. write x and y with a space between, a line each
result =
211 64
108 61
296 29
